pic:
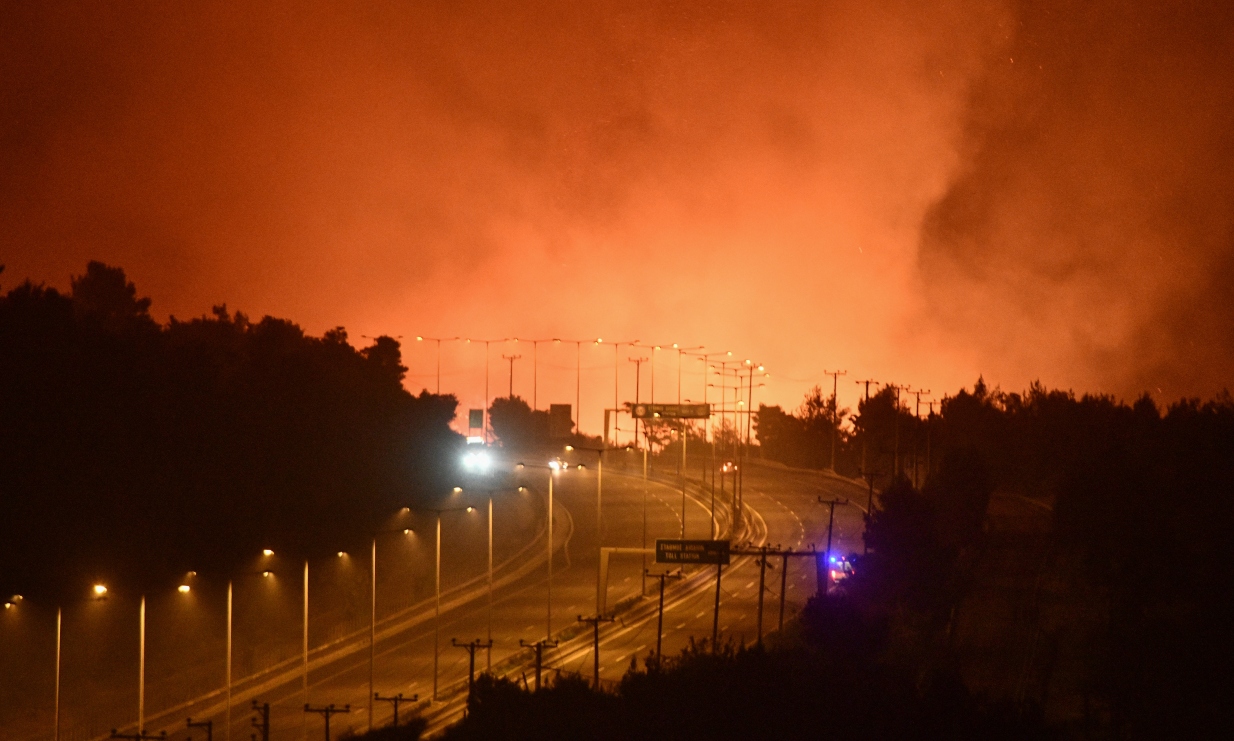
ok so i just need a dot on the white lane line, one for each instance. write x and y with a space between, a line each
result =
679 627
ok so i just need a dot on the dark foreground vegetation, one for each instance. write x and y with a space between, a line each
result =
1127 597
134 451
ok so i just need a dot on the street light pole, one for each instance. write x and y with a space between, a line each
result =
227 712
437 583
304 649
59 623
616 390
548 634
535 370
437 603
638 379
372 629
485 431
553 467
599 500
489 651
438 341
141 671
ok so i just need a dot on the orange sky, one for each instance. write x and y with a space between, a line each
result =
887 190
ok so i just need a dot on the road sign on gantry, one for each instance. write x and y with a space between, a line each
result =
692 551
670 411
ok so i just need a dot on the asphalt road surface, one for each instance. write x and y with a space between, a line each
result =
781 510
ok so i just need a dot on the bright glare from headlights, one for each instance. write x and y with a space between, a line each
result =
477 461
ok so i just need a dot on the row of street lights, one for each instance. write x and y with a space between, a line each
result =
477 462
682 353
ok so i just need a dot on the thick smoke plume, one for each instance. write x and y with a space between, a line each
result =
1089 237
876 187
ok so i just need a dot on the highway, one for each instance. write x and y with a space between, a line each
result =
781 510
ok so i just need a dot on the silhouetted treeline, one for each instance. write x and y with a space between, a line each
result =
521 429
1142 529
133 451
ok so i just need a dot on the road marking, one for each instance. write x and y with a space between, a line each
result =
679 627
751 584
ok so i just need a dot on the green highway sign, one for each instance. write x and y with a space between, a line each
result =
670 411
692 551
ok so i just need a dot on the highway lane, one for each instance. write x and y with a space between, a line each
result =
404 661
782 510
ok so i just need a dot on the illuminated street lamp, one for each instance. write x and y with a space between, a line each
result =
599 500
99 593
437 340
553 467
486 375
372 644
475 466
437 581
266 574
12 603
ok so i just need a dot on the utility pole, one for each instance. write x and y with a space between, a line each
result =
326 712
864 442
917 417
372 628
261 721
304 654
825 580
595 621
869 477
895 416
206 724
835 421
783 586
660 620
511 358
929 421
395 700
762 587
539 647
470 648
715 615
